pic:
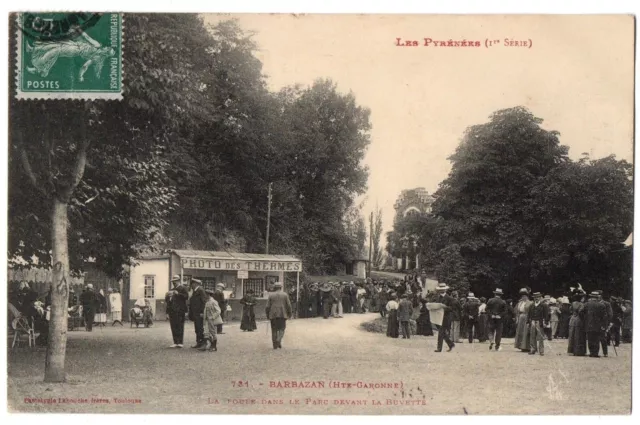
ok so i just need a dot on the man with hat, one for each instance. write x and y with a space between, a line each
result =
605 338
176 302
218 295
447 304
595 318
89 301
196 311
278 310
470 311
616 309
537 318
336 298
496 312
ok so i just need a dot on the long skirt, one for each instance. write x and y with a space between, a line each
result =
483 328
248 319
577 337
522 334
392 324
313 306
563 325
346 304
423 325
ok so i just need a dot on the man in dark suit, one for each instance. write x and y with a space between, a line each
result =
537 317
496 310
470 312
605 337
89 302
176 301
196 311
595 317
278 310
448 304
614 333
218 295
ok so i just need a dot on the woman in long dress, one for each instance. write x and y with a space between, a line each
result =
423 324
248 315
392 312
522 328
483 321
563 324
577 334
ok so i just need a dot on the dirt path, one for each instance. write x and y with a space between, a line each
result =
247 376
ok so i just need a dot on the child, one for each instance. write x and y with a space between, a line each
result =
555 318
405 310
212 318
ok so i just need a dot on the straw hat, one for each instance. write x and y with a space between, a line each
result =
442 287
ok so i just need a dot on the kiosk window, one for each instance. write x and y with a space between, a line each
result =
208 283
256 284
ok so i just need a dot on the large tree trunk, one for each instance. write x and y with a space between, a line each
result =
54 366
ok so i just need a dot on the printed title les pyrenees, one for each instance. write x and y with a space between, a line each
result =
429 42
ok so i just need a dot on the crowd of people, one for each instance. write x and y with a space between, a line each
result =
89 307
205 308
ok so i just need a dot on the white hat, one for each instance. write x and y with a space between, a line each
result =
442 287
277 284
471 295
89 285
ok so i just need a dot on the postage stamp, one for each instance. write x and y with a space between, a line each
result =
69 56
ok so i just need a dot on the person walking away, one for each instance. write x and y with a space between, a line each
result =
248 322
496 312
222 303
212 317
448 304
455 318
375 298
405 310
327 299
89 302
115 305
196 311
522 326
368 295
464 325
470 312
278 310
627 322
577 334
336 301
554 311
616 322
392 313
176 302
423 324
595 317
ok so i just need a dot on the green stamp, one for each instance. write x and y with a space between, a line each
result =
69 56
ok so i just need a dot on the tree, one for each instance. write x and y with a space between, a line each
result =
376 231
484 201
90 179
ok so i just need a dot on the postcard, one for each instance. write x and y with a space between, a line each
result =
320 214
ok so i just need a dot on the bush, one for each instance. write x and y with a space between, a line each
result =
379 325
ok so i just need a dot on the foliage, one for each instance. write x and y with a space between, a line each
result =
377 254
515 211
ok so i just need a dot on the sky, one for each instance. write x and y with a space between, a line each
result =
576 73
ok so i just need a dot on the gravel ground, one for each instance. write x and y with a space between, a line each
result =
127 370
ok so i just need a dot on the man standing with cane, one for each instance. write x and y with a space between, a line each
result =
278 310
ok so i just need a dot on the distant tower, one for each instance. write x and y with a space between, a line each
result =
411 202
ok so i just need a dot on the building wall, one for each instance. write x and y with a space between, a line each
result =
159 269
361 269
